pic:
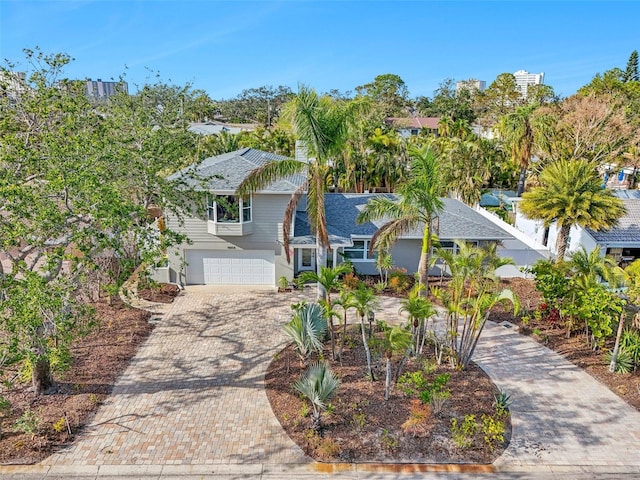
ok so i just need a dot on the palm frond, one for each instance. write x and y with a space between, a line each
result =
386 236
306 328
318 384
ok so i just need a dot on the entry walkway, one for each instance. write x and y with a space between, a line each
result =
192 404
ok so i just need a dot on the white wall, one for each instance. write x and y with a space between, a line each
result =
578 236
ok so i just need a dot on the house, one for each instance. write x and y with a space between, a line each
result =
618 177
214 127
350 240
240 242
408 126
621 242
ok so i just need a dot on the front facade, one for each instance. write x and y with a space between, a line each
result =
239 240
350 241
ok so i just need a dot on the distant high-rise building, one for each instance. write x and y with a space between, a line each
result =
471 84
12 84
524 79
100 89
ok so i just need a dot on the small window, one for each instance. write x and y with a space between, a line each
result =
246 210
359 251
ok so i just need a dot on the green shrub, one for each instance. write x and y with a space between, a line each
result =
630 343
28 422
389 441
493 430
435 387
463 433
624 361
399 281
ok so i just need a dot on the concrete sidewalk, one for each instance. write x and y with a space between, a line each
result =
192 404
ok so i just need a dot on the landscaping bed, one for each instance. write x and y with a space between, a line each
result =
575 349
363 427
49 422
160 293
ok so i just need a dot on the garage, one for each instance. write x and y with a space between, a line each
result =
232 267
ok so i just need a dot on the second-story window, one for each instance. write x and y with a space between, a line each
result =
229 209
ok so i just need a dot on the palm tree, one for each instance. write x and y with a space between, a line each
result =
420 310
328 279
419 204
320 123
318 384
445 126
471 295
395 340
520 130
347 302
365 301
571 193
466 169
590 267
384 263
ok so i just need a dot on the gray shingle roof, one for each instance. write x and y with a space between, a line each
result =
457 221
224 173
628 228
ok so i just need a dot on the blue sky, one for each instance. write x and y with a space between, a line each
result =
224 47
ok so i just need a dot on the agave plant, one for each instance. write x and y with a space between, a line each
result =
306 329
318 384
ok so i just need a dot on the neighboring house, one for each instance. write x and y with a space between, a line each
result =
240 240
407 126
498 198
618 177
621 242
214 128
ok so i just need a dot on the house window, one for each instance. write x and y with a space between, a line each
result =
246 209
448 246
451 246
229 209
359 251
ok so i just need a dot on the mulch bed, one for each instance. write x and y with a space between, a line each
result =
363 427
101 357
163 293
98 360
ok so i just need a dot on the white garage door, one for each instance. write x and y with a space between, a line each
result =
234 267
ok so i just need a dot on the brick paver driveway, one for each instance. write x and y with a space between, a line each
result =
194 392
